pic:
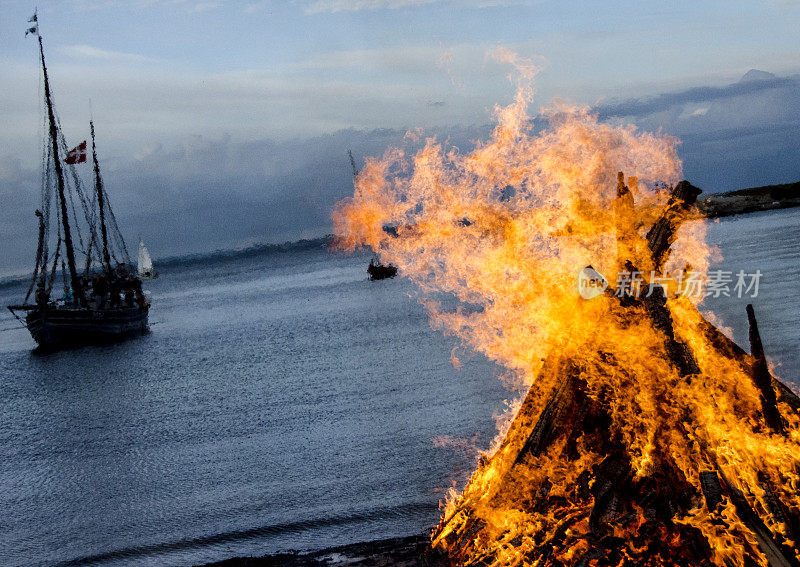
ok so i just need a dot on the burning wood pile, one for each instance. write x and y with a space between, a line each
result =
566 488
645 436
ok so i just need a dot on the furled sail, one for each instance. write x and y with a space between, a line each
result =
145 264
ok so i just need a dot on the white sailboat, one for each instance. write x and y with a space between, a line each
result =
145 263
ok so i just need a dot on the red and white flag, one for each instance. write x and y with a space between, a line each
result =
77 154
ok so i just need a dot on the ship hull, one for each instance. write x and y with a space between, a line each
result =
380 272
55 328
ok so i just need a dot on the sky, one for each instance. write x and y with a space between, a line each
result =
226 124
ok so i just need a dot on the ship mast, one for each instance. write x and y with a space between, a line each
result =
98 182
353 163
73 273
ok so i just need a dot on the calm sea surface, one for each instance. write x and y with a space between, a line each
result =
281 401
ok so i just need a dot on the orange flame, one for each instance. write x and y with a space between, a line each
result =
502 232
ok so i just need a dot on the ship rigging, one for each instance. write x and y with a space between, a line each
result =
102 300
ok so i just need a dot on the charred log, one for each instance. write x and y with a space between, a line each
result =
762 377
712 489
679 353
624 215
662 233
778 553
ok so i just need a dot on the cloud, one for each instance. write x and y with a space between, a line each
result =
254 7
225 192
332 6
84 52
205 6
138 103
735 136
272 157
420 60
187 5
751 85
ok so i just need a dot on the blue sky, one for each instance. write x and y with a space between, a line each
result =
282 69
175 84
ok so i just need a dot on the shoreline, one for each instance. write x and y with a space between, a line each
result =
409 551
713 205
753 200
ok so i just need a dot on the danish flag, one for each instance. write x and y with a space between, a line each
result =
77 154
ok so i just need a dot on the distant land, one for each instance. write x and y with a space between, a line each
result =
711 205
751 200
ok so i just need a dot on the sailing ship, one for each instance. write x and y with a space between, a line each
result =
375 270
144 264
378 271
102 302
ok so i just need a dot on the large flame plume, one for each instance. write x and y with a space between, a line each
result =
642 437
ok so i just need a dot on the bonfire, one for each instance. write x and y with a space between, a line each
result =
643 435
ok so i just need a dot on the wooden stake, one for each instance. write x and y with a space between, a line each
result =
762 377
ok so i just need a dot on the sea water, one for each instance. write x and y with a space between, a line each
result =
282 401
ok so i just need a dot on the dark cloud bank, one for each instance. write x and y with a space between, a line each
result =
737 136
214 194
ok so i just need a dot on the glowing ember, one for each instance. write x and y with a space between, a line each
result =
644 437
